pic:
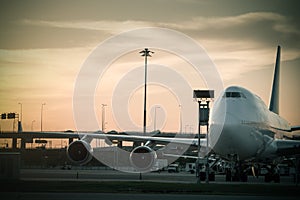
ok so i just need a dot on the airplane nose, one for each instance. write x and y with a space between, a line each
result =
231 118
235 111
230 113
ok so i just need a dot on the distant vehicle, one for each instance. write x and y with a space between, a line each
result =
173 168
160 165
66 166
221 166
263 171
284 169
202 168
190 167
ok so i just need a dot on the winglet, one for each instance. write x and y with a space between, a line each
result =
274 101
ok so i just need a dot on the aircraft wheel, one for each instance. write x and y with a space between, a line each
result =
202 176
276 178
228 176
211 177
268 178
244 177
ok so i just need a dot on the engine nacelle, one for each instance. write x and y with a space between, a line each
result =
80 152
143 158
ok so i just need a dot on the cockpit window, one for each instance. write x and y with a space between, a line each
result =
234 95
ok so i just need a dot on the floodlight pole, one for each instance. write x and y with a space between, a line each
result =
199 145
145 53
207 157
42 116
203 97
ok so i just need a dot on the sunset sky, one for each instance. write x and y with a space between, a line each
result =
43 45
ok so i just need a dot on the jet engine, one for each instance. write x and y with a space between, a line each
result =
143 158
80 152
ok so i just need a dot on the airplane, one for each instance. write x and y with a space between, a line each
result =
251 132
242 130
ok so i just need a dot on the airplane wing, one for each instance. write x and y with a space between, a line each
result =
287 147
141 138
150 140
295 128
126 136
180 156
141 157
81 152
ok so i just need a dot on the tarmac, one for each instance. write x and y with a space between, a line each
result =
108 184
107 174
114 196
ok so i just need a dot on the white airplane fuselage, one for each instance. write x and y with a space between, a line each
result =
242 125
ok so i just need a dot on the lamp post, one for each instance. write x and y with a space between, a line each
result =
103 117
180 118
20 129
42 116
191 129
145 53
155 117
32 124
21 112
185 128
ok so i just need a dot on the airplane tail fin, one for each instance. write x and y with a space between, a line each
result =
274 101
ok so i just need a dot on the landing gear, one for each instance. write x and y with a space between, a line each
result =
236 174
244 177
236 171
228 175
272 175
202 174
211 176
